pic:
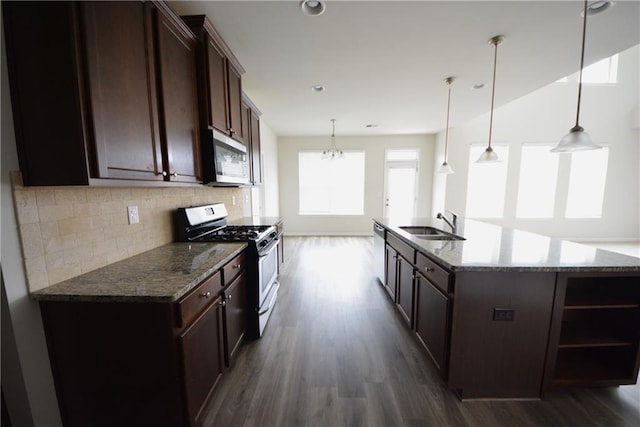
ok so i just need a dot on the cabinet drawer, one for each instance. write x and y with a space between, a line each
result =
432 271
403 249
197 300
233 268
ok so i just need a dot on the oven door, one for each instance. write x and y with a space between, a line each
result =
267 270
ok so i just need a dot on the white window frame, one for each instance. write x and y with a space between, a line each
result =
332 183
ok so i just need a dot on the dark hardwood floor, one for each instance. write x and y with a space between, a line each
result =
336 352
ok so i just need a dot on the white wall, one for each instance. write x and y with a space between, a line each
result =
269 153
374 147
544 116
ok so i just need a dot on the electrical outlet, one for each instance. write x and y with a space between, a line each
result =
503 314
233 200
132 212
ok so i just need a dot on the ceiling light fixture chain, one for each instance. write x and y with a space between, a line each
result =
577 139
489 156
333 152
444 167
584 36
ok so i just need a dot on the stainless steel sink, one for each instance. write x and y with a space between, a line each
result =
429 233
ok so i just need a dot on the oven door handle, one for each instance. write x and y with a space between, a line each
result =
274 295
267 250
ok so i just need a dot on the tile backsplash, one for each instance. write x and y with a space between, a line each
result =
68 231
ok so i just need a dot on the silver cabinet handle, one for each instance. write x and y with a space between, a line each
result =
163 173
237 266
429 269
205 294
174 174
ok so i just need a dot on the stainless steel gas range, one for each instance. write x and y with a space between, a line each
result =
208 223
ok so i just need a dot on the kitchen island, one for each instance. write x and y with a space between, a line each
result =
510 314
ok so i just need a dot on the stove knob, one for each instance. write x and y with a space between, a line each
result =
273 234
263 243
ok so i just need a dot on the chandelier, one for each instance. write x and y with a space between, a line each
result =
333 151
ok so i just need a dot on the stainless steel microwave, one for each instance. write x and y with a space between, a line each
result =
224 160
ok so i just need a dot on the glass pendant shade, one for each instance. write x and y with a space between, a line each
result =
445 168
488 156
576 140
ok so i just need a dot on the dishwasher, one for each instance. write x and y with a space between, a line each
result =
379 252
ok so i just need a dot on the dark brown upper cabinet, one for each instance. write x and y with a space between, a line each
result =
251 116
102 91
219 80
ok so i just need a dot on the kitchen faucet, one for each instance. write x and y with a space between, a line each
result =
454 221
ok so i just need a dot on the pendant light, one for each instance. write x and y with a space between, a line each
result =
333 151
577 139
490 156
444 167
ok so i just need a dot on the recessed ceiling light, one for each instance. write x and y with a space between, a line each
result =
318 88
598 6
479 86
312 7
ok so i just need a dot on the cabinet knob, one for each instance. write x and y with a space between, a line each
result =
228 296
237 266
205 294
429 269
163 173
231 131
174 174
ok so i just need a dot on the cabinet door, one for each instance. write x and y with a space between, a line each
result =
235 103
235 316
391 257
256 164
245 128
432 321
201 350
217 79
405 290
121 86
179 100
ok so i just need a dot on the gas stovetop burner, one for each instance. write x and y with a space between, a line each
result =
241 232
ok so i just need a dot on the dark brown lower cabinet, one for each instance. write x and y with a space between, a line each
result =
235 317
432 322
141 363
391 258
405 290
201 352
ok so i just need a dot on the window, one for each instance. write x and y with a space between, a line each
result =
601 72
487 184
537 185
586 183
331 187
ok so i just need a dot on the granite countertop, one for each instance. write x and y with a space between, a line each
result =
163 274
489 247
257 220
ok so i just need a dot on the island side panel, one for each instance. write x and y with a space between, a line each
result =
492 354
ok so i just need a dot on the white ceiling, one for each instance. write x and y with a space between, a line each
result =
384 62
